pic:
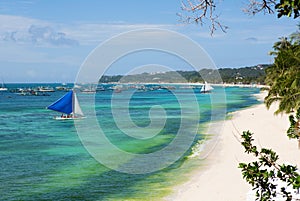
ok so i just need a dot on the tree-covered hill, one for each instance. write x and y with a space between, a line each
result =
245 75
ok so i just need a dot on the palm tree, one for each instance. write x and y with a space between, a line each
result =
283 76
283 44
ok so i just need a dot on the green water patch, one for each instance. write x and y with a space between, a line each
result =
43 159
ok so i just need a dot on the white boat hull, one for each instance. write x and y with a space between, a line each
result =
68 118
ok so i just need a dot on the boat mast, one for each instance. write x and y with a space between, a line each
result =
73 105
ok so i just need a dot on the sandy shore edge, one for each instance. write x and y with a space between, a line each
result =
219 178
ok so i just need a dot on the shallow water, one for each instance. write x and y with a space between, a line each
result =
44 159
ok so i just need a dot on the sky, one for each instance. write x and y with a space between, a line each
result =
48 41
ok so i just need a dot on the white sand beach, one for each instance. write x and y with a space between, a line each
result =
221 179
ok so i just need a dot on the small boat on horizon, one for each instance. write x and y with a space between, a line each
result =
206 88
68 105
3 88
45 89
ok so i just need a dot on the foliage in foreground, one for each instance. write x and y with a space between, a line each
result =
294 129
268 178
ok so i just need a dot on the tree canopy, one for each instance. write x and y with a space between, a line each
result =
244 75
283 76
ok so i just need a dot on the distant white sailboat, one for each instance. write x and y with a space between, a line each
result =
3 88
68 105
206 88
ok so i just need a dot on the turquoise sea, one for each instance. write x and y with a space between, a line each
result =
44 159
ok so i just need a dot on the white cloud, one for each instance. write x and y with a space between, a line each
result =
24 30
42 33
46 34
27 40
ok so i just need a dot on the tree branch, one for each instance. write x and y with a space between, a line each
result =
265 6
200 12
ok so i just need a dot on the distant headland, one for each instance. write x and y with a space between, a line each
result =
243 75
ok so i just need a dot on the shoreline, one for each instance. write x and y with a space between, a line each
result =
219 178
192 84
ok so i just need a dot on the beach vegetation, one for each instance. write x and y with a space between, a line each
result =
269 179
294 129
283 76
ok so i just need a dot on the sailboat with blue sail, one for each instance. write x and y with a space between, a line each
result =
68 105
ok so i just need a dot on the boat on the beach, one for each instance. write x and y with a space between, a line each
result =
68 105
206 88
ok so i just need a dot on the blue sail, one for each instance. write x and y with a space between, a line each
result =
64 104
